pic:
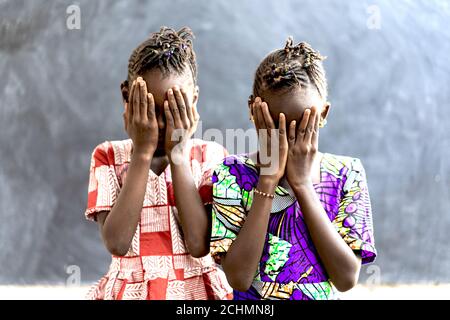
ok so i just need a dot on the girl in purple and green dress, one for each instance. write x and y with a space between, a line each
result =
303 230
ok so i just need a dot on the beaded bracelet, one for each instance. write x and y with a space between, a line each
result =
267 195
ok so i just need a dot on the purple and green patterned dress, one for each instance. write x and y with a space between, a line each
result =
290 267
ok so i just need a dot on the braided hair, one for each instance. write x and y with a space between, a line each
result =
168 50
295 65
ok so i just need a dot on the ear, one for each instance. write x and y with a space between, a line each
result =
125 91
325 110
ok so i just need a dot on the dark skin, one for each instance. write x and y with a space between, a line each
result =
157 106
297 117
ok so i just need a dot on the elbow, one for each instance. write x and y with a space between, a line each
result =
116 248
198 251
240 278
238 281
197 246
241 284
346 282
347 277
118 251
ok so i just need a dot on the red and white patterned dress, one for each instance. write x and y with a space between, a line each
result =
157 265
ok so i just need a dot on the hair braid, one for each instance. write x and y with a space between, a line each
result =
168 50
294 65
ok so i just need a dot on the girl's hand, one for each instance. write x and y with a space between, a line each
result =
181 122
303 148
264 121
140 119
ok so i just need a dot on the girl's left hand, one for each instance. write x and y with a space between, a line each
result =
303 148
181 121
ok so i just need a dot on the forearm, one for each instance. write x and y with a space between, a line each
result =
243 257
120 225
340 262
191 210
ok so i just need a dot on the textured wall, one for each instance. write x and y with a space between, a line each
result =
59 98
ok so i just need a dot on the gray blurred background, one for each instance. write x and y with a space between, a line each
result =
389 74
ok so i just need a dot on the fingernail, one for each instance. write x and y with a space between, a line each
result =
170 91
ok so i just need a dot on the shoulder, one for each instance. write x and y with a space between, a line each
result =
112 152
239 162
237 172
350 169
232 176
342 163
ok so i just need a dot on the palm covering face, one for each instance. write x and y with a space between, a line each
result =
140 118
140 121
296 147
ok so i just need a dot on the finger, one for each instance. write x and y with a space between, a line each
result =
136 100
259 117
125 113
182 108
310 126
315 136
282 128
195 111
303 124
267 117
189 109
143 101
259 111
174 108
168 114
130 101
151 107
125 120
261 122
291 140
255 115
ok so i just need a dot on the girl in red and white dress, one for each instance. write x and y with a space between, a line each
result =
151 194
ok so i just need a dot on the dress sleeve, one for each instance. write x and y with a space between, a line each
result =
103 184
228 214
213 154
354 218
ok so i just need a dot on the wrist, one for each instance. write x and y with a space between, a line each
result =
267 185
177 157
143 155
301 185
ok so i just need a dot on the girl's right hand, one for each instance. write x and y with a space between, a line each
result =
140 118
274 170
